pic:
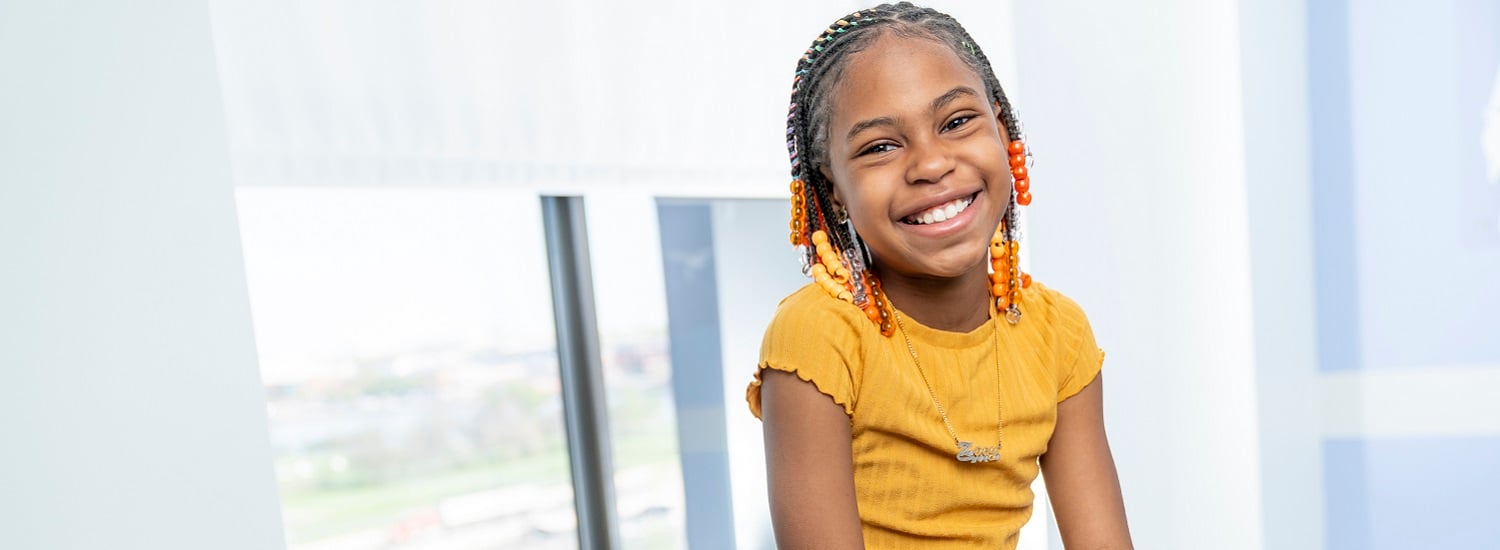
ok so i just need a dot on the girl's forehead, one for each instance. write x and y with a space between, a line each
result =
897 73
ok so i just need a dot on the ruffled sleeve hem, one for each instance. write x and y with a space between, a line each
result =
752 393
1084 376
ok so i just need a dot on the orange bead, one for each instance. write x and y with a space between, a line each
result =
1017 147
820 238
796 238
1003 302
1023 185
1014 246
1017 160
796 186
1024 199
1025 280
998 289
1019 172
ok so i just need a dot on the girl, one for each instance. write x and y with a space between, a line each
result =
910 392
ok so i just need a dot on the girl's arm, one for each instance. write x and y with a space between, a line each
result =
809 466
1080 475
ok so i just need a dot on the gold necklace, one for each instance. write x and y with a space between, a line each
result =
967 452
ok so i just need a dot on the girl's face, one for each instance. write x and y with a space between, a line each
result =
916 154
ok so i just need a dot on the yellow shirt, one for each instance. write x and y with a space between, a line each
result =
912 491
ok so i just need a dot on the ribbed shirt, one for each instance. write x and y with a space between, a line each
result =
911 490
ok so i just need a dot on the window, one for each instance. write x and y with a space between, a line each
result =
406 345
630 297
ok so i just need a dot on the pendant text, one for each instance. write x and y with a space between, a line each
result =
967 452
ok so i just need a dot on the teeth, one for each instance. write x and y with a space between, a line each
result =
941 212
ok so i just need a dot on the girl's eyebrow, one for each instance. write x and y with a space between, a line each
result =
867 124
951 95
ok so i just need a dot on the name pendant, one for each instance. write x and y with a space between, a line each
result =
967 452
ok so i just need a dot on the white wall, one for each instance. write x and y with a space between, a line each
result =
1134 112
1274 36
131 414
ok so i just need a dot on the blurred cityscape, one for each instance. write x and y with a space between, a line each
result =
463 447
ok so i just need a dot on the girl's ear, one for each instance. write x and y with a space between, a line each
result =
1000 121
838 202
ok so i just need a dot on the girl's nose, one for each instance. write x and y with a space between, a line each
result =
930 162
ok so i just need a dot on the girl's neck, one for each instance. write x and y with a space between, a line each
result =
959 304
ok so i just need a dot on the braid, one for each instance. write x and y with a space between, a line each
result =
821 67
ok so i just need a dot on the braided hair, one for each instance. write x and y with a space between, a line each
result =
819 71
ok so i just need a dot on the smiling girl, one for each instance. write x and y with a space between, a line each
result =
911 393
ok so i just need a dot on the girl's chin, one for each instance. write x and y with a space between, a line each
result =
945 268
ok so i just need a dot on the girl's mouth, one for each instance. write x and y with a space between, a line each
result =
942 212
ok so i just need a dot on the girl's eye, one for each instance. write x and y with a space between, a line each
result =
957 122
877 149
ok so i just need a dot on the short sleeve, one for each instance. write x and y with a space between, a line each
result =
1079 356
812 337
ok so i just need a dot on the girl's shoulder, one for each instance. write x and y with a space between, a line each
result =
819 338
1050 306
1058 324
810 310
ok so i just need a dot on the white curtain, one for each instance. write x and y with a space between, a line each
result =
671 96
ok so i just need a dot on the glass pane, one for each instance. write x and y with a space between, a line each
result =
630 298
406 346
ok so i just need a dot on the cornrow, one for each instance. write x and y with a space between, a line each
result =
820 69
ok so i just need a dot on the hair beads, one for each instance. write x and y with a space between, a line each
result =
1006 278
1017 151
838 281
799 213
